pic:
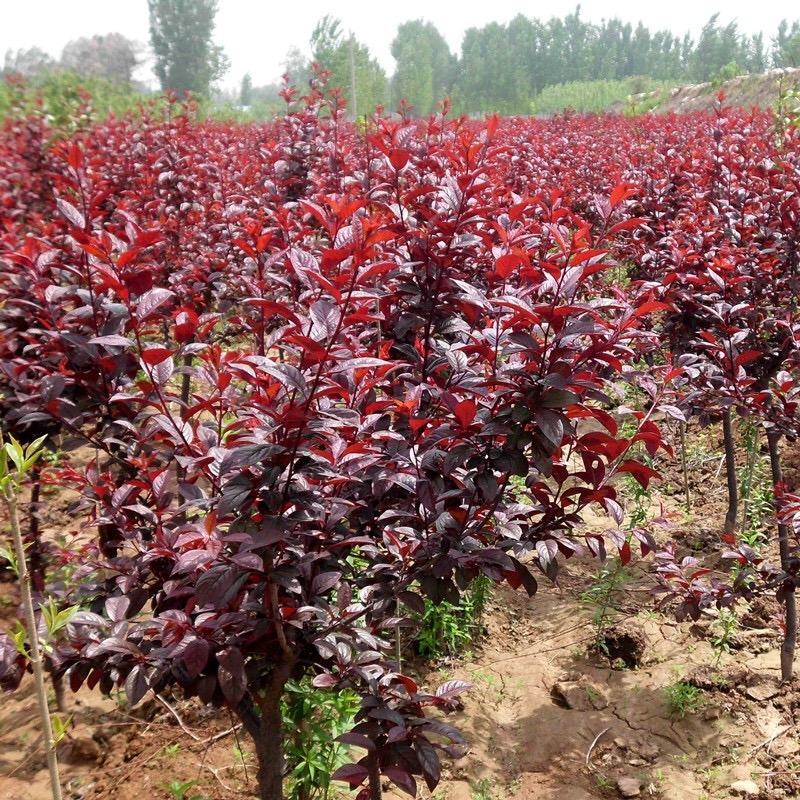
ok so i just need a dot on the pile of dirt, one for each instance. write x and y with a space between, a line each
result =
744 91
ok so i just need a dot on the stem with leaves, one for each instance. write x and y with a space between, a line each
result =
15 463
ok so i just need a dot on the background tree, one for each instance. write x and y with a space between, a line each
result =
336 52
112 56
717 48
30 63
786 45
296 66
181 36
246 90
424 69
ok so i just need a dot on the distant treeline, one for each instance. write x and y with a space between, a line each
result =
505 67
522 67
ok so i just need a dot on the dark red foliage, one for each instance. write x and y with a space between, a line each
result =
330 373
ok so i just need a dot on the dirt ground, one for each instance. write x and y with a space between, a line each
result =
760 90
547 716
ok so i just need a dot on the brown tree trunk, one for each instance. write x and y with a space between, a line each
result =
60 693
375 790
730 472
265 727
685 468
186 391
790 634
269 750
33 642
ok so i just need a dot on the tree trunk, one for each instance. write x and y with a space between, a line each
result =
790 637
730 471
186 392
269 749
747 483
790 633
375 791
265 727
685 468
60 693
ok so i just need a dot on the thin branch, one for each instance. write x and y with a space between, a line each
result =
217 736
178 719
592 746
767 742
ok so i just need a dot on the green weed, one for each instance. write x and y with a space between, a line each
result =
313 719
601 595
450 628
724 632
179 790
683 698
482 790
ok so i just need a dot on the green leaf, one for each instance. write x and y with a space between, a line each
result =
9 555
60 727
3 461
14 451
19 637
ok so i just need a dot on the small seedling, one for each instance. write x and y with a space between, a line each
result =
601 595
725 631
603 783
16 462
683 698
313 719
450 628
179 790
592 695
482 790
240 755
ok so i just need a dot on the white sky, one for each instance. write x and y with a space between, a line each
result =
256 34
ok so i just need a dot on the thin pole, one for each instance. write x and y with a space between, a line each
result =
33 637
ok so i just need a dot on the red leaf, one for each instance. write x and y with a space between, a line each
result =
621 192
128 256
627 225
465 413
640 472
399 158
71 214
506 264
231 676
354 774
151 301
155 355
75 156
402 778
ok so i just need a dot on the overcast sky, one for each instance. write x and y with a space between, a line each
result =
256 34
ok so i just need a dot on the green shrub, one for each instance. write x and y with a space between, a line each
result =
592 96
